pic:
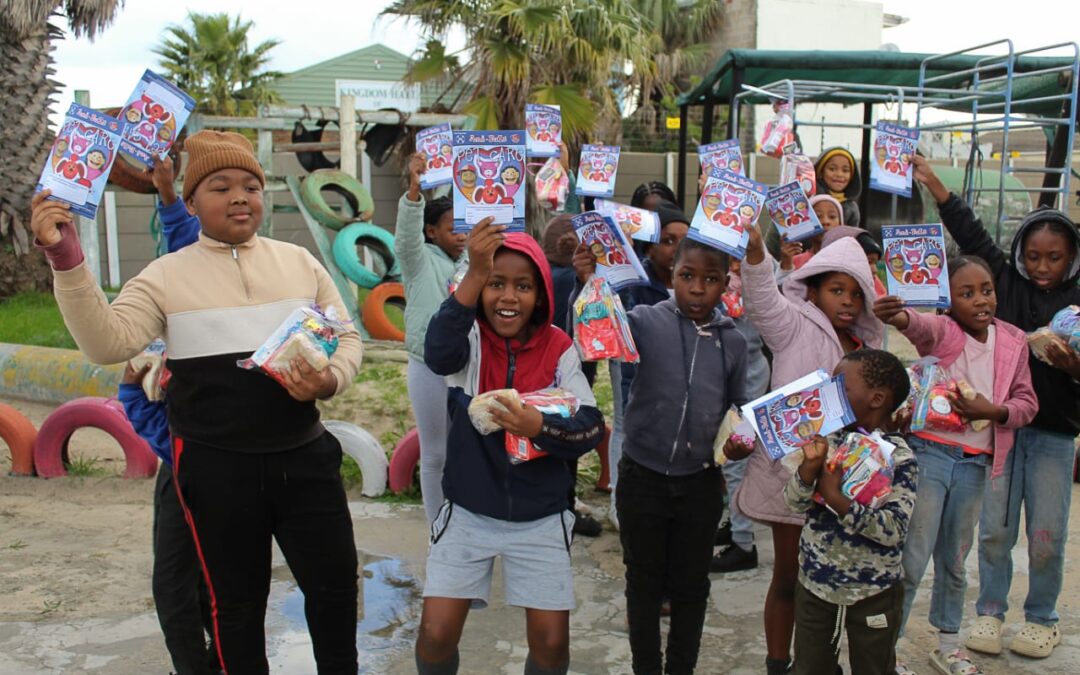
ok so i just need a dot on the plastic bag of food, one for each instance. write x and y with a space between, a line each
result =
934 409
157 377
795 166
307 333
732 426
552 184
601 330
916 373
779 131
482 405
867 465
551 401
1066 325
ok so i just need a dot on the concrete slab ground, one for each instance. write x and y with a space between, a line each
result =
75 592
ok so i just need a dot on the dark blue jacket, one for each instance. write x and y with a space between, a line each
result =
149 418
687 379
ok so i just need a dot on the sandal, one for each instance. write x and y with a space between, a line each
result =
985 635
1036 641
957 663
901 669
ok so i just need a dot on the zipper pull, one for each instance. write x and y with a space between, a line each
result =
235 255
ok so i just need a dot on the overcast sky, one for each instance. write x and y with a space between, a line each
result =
110 66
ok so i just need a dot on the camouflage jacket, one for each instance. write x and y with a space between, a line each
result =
845 560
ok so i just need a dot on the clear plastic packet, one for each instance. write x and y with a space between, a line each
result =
867 464
779 131
732 426
551 401
795 166
157 378
934 409
552 184
1066 325
601 330
459 274
308 333
916 372
733 304
482 405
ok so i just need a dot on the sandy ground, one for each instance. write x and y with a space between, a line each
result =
75 591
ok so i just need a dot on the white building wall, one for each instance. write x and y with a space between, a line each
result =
824 25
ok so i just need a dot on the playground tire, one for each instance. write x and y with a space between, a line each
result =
131 177
348 259
368 453
355 194
374 311
19 434
603 481
313 161
100 413
403 462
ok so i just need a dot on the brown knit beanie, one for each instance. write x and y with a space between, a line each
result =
210 151
559 240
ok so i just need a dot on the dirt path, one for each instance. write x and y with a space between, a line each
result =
75 564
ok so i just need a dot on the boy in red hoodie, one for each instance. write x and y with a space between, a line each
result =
495 332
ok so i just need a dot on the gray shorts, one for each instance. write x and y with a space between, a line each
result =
535 559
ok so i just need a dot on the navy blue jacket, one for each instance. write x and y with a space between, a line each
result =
687 379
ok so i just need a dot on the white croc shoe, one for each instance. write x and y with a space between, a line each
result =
985 635
1036 641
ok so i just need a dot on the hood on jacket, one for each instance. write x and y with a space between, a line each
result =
865 239
843 255
830 199
854 187
1042 215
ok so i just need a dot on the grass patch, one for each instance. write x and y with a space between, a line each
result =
32 318
85 467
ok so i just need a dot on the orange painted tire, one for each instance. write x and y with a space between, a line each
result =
100 413
403 462
603 481
373 313
20 435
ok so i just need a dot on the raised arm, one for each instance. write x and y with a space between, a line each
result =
960 220
772 314
409 233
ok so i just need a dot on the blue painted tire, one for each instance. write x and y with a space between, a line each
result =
348 261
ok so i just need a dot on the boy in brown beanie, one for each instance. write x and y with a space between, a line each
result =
250 459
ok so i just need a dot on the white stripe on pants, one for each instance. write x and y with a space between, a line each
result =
427 394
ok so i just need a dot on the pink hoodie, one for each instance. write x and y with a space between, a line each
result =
941 336
802 340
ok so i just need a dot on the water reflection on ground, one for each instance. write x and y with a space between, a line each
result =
389 611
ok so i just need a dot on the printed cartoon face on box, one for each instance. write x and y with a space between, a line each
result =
914 261
797 417
489 176
80 153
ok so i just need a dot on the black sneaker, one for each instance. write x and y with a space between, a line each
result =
734 559
723 535
586 525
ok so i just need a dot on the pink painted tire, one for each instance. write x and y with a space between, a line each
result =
100 413
403 462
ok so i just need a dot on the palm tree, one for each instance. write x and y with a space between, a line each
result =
210 59
26 43
587 56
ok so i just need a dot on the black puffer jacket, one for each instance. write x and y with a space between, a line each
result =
1024 305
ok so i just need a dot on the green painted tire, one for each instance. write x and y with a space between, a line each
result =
348 261
355 194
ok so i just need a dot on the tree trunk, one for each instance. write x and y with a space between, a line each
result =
25 139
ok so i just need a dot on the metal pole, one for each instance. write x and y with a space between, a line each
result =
864 161
684 122
707 123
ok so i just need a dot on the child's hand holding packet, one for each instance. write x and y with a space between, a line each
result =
306 334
